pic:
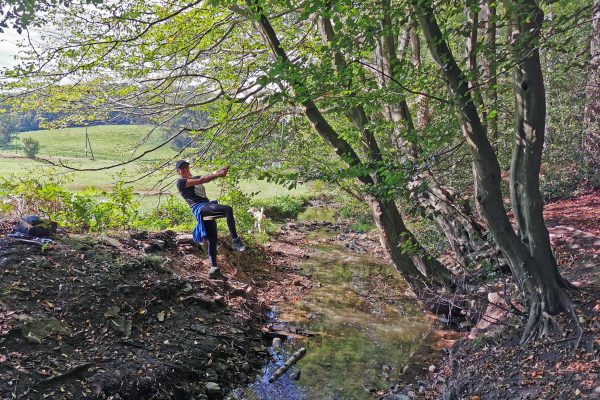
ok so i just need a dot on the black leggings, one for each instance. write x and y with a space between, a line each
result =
211 227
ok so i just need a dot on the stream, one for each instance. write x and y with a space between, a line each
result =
366 328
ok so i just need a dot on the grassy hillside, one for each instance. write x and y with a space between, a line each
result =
108 142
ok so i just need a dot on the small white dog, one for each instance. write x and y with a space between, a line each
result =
258 216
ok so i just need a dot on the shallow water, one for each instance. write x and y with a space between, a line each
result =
368 328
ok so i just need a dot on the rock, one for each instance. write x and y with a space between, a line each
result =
212 389
211 374
411 394
111 242
431 368
400 396
277 342
140 235
131 289
295 375
199 298
34 331
32 339
185 239
121 325
154 245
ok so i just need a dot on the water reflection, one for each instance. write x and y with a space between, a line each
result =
368 330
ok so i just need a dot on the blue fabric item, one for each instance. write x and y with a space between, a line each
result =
199 232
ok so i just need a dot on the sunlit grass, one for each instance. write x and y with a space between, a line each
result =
108 142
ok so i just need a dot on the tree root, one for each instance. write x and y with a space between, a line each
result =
76 372
540 323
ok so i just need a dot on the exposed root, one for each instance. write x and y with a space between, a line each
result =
540 323
565 284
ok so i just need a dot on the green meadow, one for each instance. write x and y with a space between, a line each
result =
111 144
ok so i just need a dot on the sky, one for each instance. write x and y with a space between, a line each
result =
8 48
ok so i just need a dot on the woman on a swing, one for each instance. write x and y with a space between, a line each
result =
192 190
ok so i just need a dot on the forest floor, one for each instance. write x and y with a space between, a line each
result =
132 315
492 364
129 316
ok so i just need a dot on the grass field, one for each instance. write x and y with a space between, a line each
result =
110 144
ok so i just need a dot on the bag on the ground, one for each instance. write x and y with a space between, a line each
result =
35 226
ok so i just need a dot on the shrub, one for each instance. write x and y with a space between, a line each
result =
172 214
31 147
240 202
357 213
86 211
281 207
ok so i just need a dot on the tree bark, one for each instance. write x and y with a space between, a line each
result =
393 233
591 118
539 281
423 111
472 51
403 248
489 64
530 121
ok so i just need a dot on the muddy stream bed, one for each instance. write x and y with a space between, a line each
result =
363 324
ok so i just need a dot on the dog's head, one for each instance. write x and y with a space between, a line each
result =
252 210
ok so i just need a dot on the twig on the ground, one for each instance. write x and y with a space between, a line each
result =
78 370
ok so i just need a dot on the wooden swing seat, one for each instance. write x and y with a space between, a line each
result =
212 217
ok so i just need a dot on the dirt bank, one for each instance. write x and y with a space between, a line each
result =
490 364
130 317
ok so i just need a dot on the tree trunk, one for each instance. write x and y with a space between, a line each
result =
423 111
489 64
591 118
415 266
537 279
472 50
530 122
450 212
392 230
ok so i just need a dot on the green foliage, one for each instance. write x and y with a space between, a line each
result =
31 147
408 246
240 201
91 210
281 207
363 225
152 261
357 213
428 235
173 214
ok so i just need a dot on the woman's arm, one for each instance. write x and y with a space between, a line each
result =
206 178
